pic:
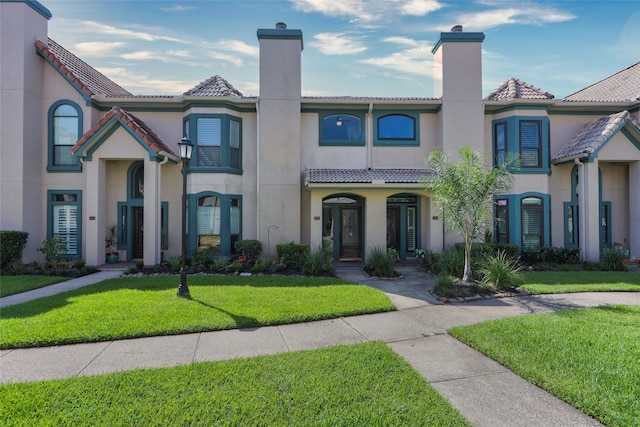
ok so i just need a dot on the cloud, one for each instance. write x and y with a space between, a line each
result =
415 60
141 83
403 41
98 28
526 15
227 58
367 10
96 49
176 8
239 47
337 44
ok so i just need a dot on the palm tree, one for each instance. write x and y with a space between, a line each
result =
464 189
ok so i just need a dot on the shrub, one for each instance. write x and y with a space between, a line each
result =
175 262
379 263
481 250
614 260
54 247
261 264
139 264
292 255
501 271
251 249
78 263
319 262
444 285
219 263
11 245
200 257
450 263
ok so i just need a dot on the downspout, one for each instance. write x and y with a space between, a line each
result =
258 170
582 216
369 134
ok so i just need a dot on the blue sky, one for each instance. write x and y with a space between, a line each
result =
351 47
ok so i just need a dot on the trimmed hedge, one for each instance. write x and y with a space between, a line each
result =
293 255
483 249
251 249
11 245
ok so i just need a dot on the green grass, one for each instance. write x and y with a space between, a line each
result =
587 357
554 282
10 285
136 307
357 385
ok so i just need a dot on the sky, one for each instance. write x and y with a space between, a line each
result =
350 47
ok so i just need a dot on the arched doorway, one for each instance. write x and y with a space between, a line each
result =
403 223
342 225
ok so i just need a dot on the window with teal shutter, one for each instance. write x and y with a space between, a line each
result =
64 219
532 216
217 142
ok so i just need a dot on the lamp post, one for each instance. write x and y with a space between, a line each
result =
186 148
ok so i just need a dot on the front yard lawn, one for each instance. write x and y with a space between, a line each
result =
10 285
358 385
554 282
587 357
148 306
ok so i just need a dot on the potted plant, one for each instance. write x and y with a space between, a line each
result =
111 244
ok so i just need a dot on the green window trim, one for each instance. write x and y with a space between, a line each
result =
51 136
125 223
513 212
382 131
223 147
229 233
524 136
57 200
353 123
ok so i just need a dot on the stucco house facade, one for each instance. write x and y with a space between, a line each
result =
80 153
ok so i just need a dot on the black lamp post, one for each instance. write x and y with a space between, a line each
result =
186 148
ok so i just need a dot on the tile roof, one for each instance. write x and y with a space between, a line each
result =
213 86
623 86
517 89
593 135
364 176
89 80
367 98
140 128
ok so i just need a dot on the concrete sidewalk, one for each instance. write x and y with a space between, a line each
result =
485 392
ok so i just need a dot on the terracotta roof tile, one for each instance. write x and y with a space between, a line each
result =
140 128
623 86
364 176
517 89
89 80
593 135
213 86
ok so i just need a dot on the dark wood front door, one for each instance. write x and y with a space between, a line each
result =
138 235
350 233
393 228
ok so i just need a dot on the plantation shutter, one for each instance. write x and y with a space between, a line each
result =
532 223
411 229
530 144
234 223
208 220
65 225
209 133
234 143
501 143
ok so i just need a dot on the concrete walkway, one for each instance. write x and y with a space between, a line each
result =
485 392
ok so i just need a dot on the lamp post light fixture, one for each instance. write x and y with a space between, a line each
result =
186 148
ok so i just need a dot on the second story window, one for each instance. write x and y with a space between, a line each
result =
341 129
530 144
65 128
524 137
217 142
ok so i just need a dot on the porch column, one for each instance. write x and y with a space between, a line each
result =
95 212
375 224
634 208
590 212
315 221
435 224
152 226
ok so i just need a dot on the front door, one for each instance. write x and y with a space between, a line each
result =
138 235
350 242
393 228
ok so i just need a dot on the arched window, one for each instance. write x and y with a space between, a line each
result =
65 128
341 129
396 126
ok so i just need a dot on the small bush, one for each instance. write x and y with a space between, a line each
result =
53 247
140 264
219 263
450 263
78 263
200 257
501 271
614 260
11 245
445 285
261 264
251 249
175 262
319 262
292 255
379 263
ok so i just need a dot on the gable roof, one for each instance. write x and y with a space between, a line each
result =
213 86
593 135
513 88
87 79
623 86
145 134
364 176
